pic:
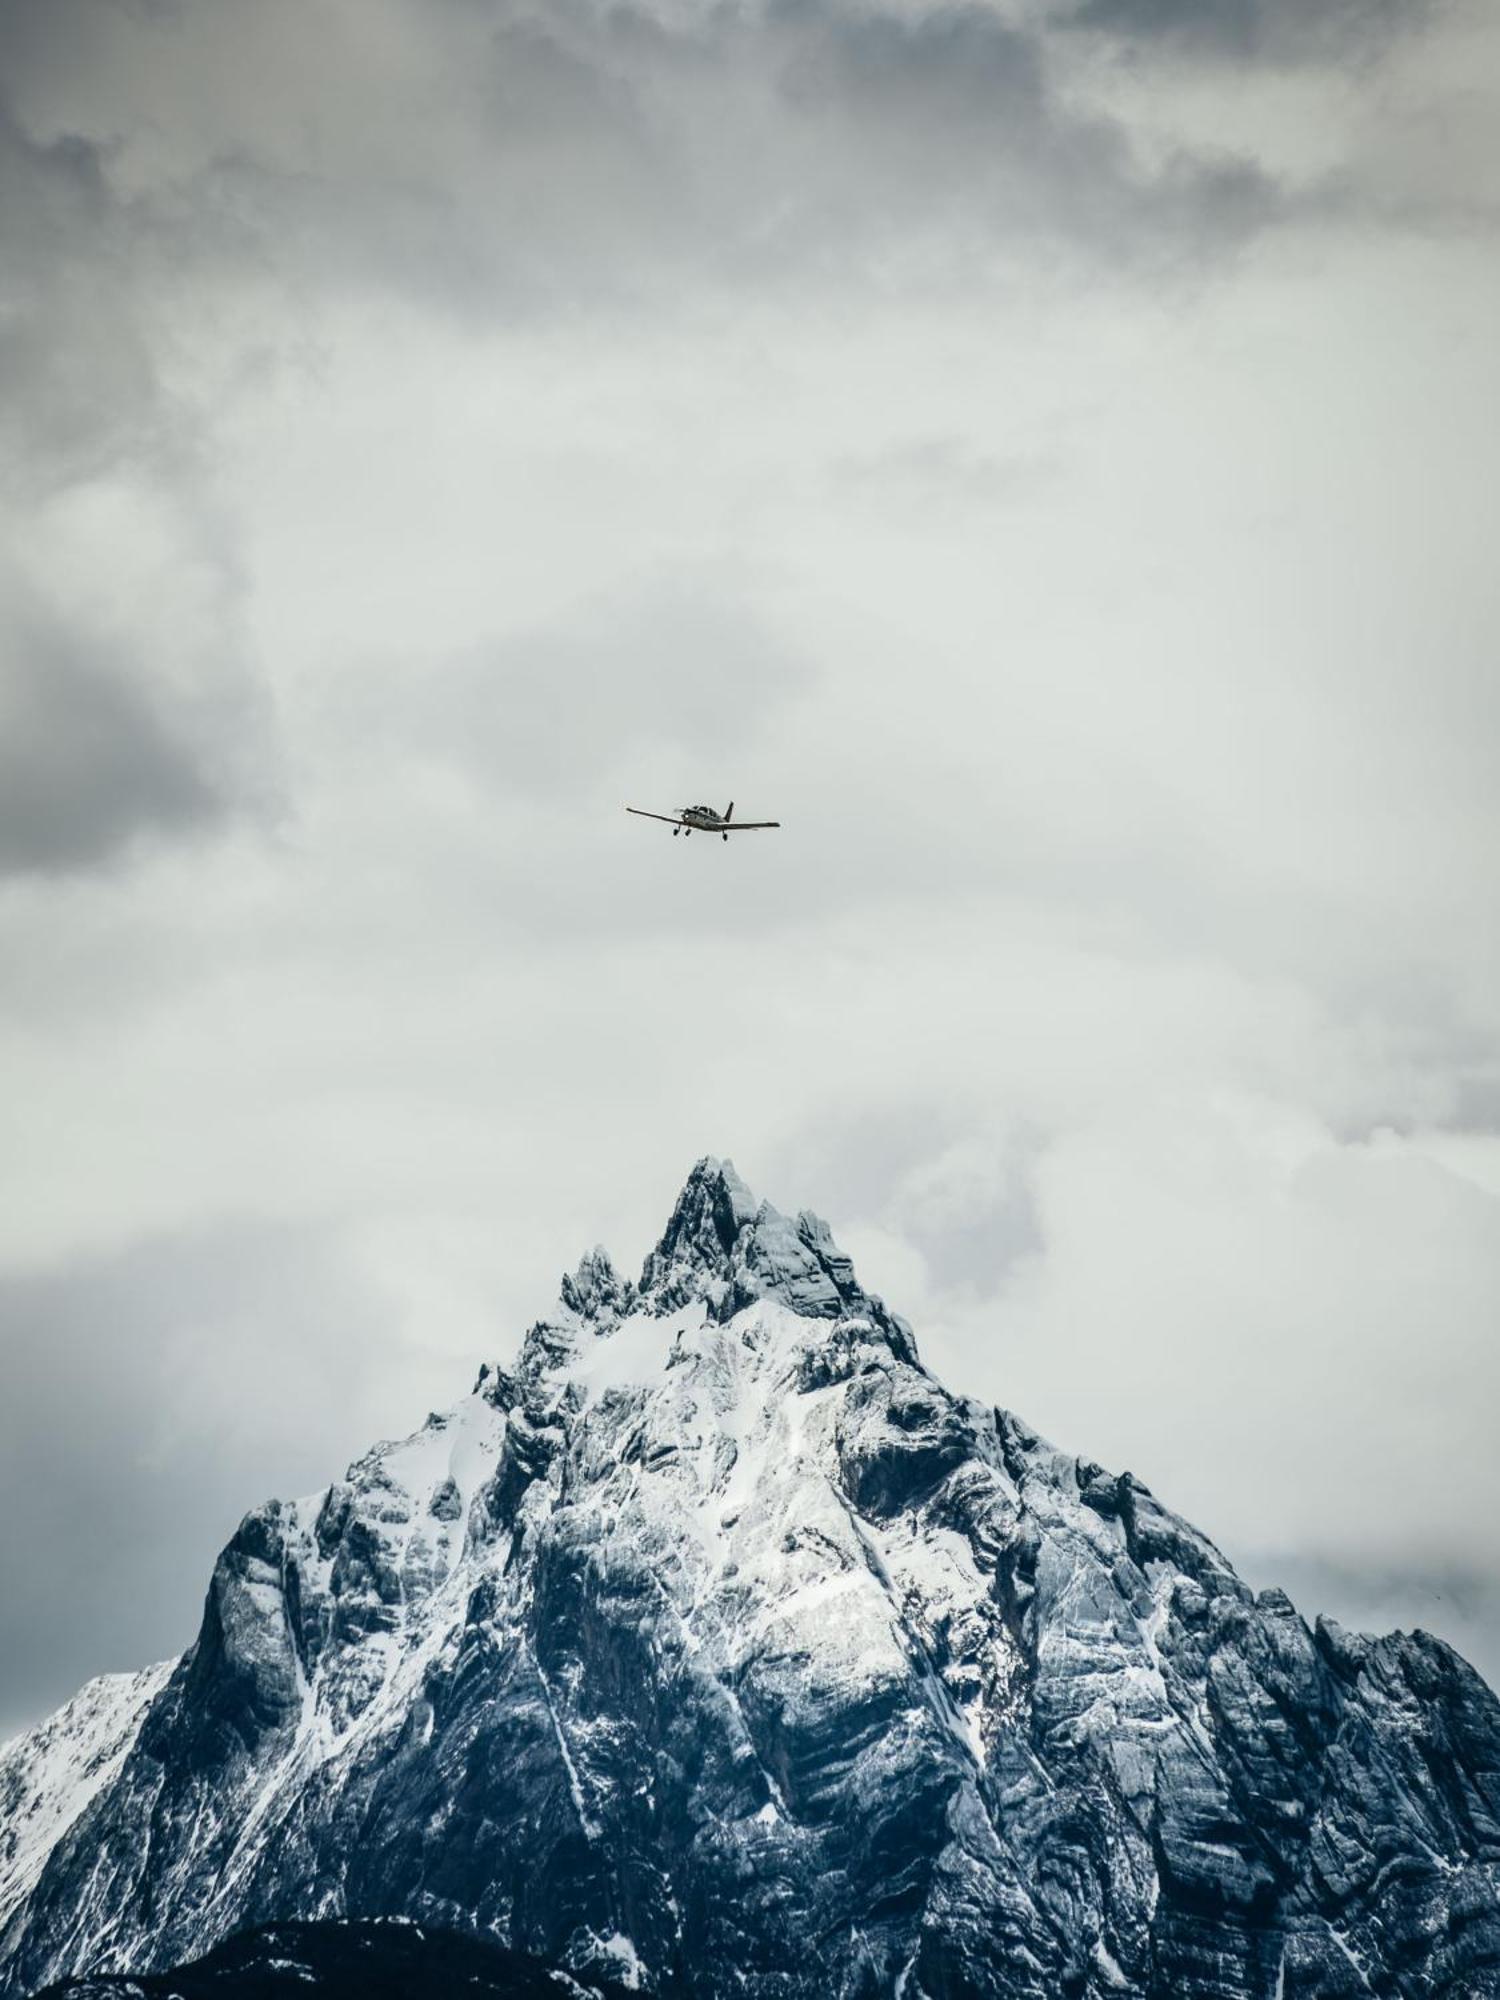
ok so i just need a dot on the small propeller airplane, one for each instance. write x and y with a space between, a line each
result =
704 819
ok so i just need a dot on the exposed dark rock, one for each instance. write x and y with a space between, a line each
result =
388 1960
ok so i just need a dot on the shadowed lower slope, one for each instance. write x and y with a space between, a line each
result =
375 1961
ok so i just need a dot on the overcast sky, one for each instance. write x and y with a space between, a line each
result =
1042 453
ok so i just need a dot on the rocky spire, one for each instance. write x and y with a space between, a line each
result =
723 1246
720 1246
596 1291
712 1214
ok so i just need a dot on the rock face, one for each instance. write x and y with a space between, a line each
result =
719 1650
385 1960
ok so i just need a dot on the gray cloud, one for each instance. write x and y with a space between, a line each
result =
959 116
89 763
181 196
79 383
111 733
676 662
1289 32
589 151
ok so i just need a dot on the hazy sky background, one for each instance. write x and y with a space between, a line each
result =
1044 454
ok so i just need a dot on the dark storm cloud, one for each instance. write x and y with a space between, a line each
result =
89 762
1274 31
954 116
814 137
101 743
534 158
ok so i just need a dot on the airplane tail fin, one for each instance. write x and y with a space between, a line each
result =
729 814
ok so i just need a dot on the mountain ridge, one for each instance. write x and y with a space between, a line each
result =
716 1639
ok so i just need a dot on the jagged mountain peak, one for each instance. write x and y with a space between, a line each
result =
722 1253
724 1247
594 1289
709 1217
718 1647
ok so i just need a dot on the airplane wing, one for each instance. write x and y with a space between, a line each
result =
667 819
747 825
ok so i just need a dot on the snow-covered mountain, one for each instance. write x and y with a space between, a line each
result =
719 1650
49 1775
